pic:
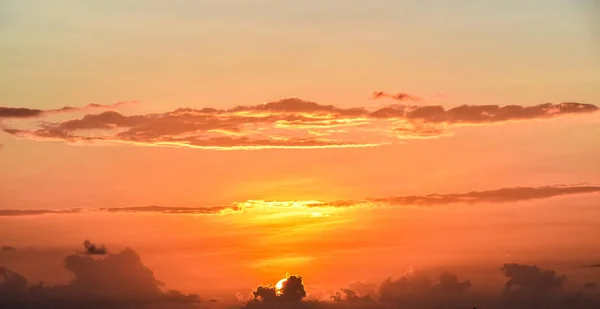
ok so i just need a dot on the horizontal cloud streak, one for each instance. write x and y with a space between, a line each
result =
505 195
288 123
22 112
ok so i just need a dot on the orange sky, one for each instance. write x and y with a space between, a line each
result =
231 112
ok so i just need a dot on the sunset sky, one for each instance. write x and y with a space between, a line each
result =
305 137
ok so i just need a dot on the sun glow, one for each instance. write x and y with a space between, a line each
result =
279 285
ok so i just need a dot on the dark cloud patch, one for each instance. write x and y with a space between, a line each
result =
542 289
530 279
117 280
91 248
11 283
291 291
7 248
287 123
593 265
19 112
470 114
504 195
400 96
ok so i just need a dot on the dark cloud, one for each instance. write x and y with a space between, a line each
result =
11 283
505 195
22 112
398 96
283 124
594 265
530 279
349 295
291 291
7 248
530 287
91 248
19 112
117 280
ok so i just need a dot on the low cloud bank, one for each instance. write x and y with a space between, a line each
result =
117 280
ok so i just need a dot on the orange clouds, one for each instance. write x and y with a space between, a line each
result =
288 123
21 112
505 195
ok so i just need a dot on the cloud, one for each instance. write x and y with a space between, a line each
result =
530 287
11 282
288 290
400 96
117 280
22 112
19 112
27 212
91 248
287 123
593 265
530 279
505 195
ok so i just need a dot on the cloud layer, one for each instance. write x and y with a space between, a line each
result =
505 195
527 286
287 123
22 112
119 280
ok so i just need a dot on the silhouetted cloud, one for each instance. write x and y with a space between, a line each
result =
117 280
91 248
11 283
287 123
416 290
7 248
290 291
505 195
19 112
530 279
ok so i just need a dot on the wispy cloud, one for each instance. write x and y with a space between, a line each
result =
505 195
288 123
400 96
23 112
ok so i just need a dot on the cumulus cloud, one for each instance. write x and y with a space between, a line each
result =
116 280
415 289
530 279
505 195
287 123
288 290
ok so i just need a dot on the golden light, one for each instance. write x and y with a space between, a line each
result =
279 284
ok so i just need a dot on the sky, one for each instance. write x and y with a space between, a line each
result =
338 140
